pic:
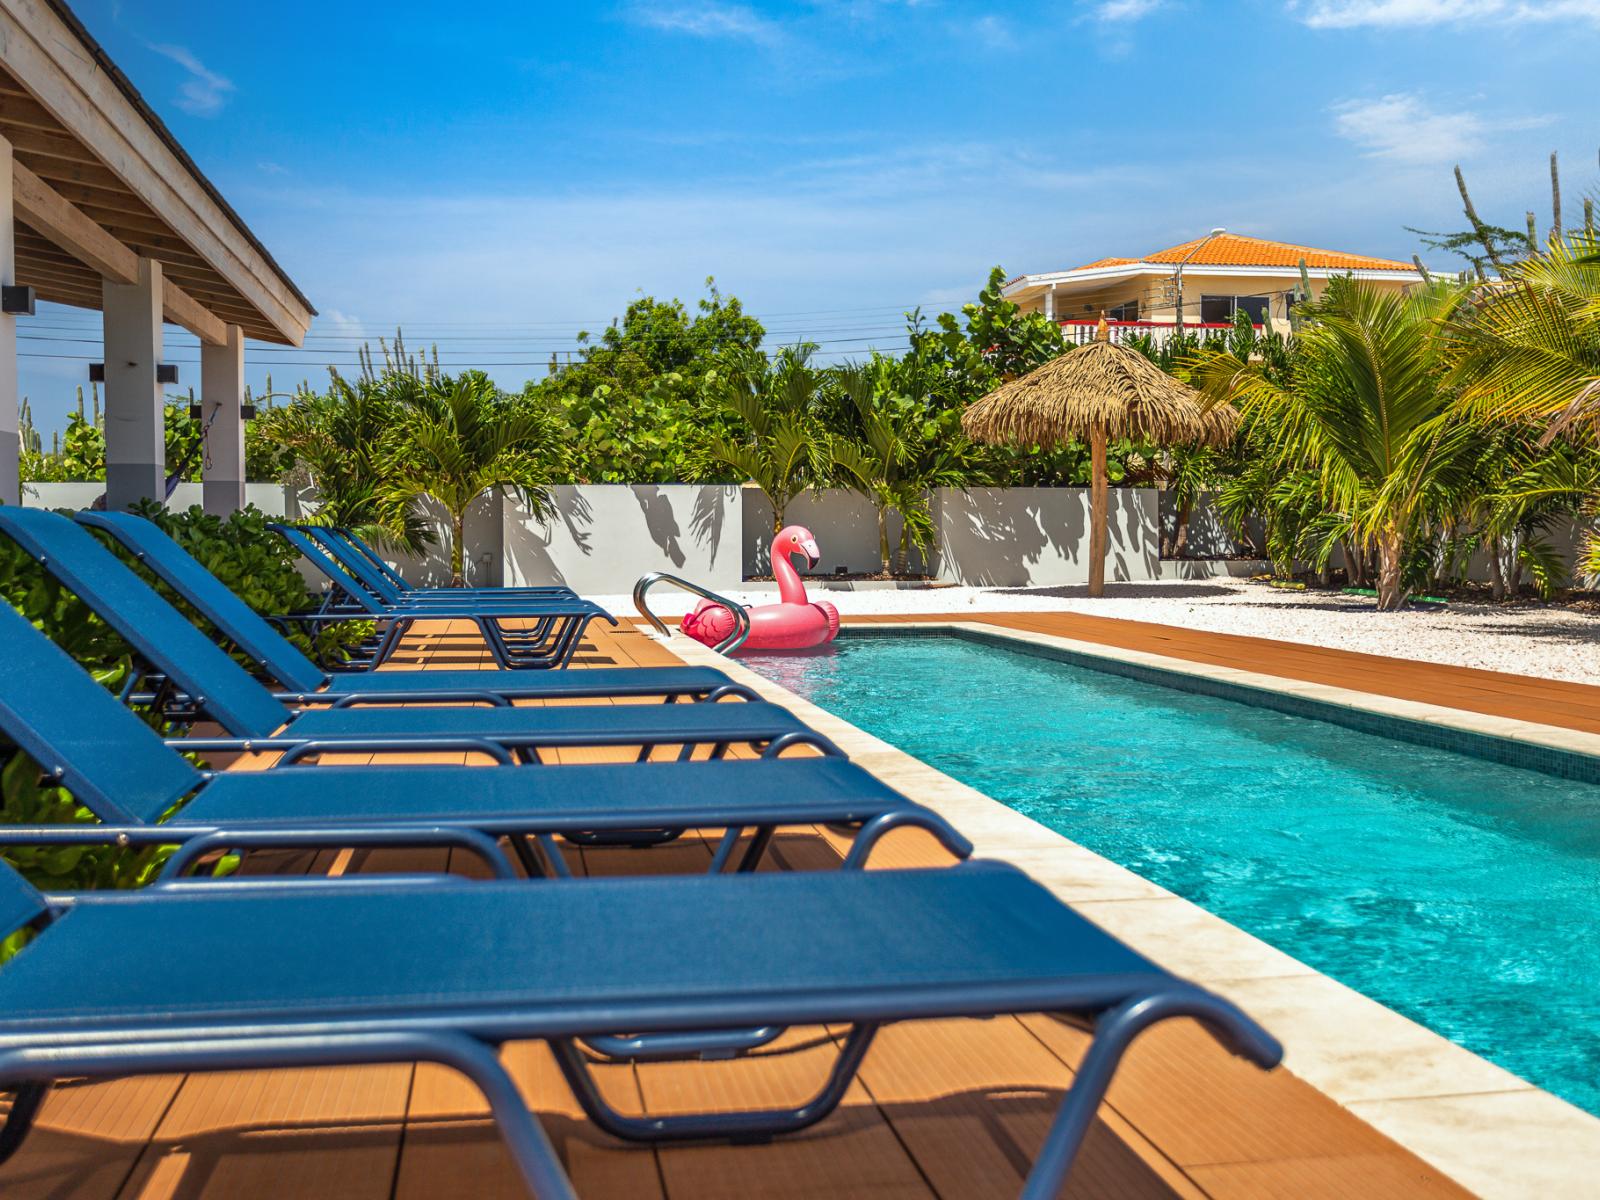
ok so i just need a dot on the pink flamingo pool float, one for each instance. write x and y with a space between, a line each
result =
794 623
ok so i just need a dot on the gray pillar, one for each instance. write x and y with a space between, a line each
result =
135 441
10 446
221 395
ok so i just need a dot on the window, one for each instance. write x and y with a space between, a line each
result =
1219 310
1128 311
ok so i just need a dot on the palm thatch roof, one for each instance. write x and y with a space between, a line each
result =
1098 384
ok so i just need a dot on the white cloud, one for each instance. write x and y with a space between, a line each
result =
1353 14
993 32
1402 125
734 21
1113 12
204 92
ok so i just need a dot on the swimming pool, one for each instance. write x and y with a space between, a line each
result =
1461 892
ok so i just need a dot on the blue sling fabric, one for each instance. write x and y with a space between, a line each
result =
158 631
234 698
282 659
371 578
710 951
107 757
185 575
20 901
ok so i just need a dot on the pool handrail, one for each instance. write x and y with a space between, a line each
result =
741 618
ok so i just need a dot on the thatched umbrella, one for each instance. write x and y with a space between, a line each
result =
1098 391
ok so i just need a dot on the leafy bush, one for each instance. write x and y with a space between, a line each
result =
242 552
255 564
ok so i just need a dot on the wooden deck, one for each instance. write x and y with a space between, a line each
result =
952 1109
1549 702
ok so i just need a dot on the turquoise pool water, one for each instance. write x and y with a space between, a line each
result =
1462 893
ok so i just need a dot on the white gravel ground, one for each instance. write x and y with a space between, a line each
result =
1548 643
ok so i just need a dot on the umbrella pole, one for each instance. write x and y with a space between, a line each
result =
1097 510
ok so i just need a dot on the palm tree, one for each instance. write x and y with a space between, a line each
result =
1526 349
459 438
783 448
341 442
1367 409
894 450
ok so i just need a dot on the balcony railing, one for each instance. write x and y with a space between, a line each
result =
1080 332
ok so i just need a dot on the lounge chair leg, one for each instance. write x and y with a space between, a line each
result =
1114 1032
525 855
757 848
748 1126
26 1100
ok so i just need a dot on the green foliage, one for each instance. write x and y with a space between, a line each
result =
779 441
636 404
81 455
460 438
241 551
255 564
893 443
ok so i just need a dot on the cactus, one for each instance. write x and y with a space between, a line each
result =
1301 294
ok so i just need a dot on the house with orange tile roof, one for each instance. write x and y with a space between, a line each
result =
1199 285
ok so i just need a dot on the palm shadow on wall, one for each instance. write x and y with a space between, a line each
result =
660 522
530 552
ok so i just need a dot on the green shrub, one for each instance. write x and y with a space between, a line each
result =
241 551
256 565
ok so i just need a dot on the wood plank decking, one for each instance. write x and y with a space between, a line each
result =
951 1109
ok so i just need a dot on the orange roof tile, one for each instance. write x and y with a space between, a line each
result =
1237 250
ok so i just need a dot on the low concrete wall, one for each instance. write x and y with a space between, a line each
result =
845 524
270 498
1209 536
604 536
1039 537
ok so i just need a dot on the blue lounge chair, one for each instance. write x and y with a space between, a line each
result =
307 683
546 632
198 677
118 768
362 561
305 973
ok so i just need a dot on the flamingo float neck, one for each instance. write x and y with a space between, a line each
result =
792 539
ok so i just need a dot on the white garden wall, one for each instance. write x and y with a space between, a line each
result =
1038 537
602 537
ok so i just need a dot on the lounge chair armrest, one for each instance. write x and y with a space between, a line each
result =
364 837
297 748
914 816
802 737
350 699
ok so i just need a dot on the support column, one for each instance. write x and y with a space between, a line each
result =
135 440
10 445
221 416
1050 303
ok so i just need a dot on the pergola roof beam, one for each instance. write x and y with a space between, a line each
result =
67 227
51 57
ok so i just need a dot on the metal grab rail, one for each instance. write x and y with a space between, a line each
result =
741 618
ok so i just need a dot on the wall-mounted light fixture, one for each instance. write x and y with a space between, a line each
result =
97 372
16 300
166 372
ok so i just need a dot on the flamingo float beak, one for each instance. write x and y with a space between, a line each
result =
808 547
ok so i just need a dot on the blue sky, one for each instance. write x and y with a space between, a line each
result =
496 177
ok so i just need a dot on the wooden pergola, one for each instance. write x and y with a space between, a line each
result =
100 207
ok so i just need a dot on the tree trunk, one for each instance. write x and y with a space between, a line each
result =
1497 574
1180 540
883 539
1097 511
458 577
1390 555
